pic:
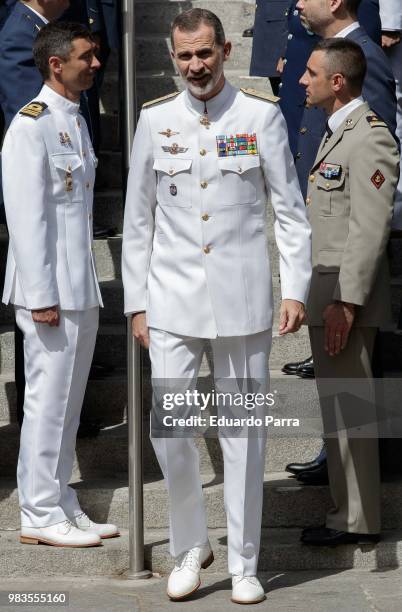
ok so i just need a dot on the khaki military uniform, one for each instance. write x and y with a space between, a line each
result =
350 206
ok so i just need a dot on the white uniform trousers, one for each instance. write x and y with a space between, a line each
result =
57 363
242 357
395 56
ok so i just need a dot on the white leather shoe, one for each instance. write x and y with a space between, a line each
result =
247 590
60 534
185 577
103 530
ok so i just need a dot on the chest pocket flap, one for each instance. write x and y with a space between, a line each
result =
172 166
328 184
65 161
239 163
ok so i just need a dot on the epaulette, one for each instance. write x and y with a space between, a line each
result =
259 94
33 109
162 99
375 121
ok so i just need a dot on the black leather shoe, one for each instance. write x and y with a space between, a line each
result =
324 536
99 231
293 368
306 370
318 476
249 33
298 468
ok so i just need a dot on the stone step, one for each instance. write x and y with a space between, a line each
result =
112 294
111 342
110 346
286 504
107 250
156 16
108 257
280 550
105 400
106 455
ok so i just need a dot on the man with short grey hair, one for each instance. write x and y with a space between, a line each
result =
196 269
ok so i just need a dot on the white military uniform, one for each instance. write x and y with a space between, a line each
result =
48 179
391 20
195 259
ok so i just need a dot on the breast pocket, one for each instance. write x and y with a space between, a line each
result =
331 194
68 178
174 182
239 175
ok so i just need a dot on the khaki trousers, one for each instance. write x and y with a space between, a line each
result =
350 431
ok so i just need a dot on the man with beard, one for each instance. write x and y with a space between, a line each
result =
196 268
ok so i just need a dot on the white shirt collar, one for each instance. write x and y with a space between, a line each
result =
337 118
350 28
53 99
45 21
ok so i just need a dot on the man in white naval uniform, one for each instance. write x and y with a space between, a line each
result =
195 267
391 25
48 179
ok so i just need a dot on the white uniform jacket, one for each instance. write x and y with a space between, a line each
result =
391 14
194 242
48 178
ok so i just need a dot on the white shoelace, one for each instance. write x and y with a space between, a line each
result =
188 559
65 527
251 579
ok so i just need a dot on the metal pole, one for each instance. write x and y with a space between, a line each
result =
136 569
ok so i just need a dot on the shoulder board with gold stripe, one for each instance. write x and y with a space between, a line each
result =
162 99
259 94
33 109
375 121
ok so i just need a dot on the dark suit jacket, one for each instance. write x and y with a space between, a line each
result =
101 16
378 90
276 19
270 36
20 79
299 48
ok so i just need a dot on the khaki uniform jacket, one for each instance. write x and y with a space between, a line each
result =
350 214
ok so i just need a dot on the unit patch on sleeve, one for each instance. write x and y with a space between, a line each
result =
33 109
240 144
378 179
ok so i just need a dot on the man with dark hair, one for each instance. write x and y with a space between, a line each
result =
350 204
195 269
306 124
20 82
51 281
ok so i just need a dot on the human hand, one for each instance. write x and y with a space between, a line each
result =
51 316
338 320
140 328
291 316
389 39
280 65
